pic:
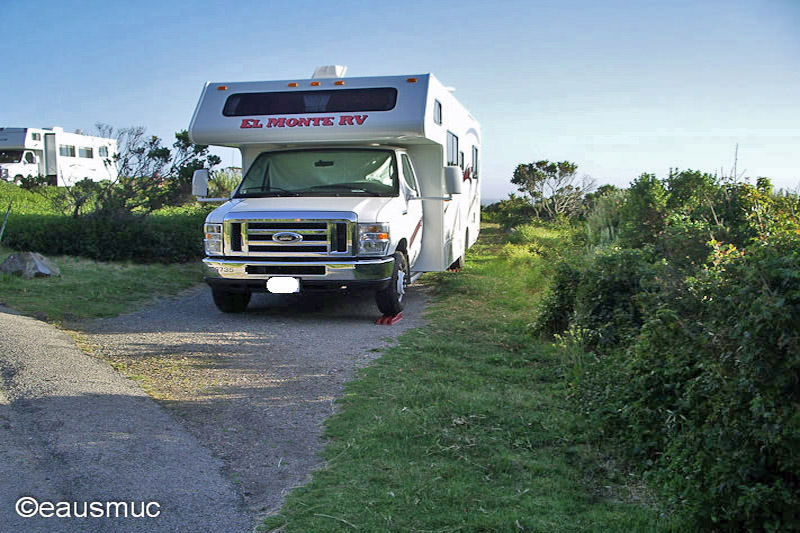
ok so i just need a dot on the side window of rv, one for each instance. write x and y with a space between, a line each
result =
452 149
408 174
86 152
437 111
66 150
461 160
36 136
102 151
475 162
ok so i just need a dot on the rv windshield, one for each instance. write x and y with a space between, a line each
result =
10 156
330 172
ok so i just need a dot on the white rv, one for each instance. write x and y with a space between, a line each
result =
349 182
62 157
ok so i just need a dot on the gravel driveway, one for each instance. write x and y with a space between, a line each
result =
253 388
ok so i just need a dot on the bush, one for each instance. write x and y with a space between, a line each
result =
734 457
558 305
510 212
705 394
603 221
644 211
608 304
172 236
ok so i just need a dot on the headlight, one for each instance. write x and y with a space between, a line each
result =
373 239
213 240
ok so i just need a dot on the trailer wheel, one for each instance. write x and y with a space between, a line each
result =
230 302
390 300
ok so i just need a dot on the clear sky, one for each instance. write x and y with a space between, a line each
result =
618 87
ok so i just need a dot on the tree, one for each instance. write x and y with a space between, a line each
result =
553 189
150 175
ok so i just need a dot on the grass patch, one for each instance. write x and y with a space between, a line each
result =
89 289
465 425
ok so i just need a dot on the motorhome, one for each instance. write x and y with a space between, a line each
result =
348 182
63 158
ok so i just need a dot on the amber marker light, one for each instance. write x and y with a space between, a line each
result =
222 87
412 80
340 82
315 84
293 84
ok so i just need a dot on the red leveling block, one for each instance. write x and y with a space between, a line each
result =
389 320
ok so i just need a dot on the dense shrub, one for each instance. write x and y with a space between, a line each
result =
558 305
691 324
608 303
644 212
174 235
510 212
603 220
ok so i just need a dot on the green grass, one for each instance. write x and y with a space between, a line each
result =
88 289
465 425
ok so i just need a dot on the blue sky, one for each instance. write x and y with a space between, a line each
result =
619 88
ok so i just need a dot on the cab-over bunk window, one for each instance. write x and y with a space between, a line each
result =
320 101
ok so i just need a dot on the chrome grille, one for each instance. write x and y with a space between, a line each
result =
306 238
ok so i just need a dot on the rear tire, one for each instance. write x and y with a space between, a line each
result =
230 302
459 263
391 299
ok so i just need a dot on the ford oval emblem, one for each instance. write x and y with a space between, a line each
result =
287 236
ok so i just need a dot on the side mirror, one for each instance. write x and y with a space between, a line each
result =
200 182
453 177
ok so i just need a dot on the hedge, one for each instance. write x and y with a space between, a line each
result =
172 236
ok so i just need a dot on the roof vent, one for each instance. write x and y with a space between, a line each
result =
330 71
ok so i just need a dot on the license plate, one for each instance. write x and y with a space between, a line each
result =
283 285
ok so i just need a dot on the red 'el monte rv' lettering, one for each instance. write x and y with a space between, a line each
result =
251 123
347 120
283 122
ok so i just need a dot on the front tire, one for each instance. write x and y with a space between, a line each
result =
391 299
230 302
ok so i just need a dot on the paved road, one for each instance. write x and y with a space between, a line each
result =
245 398
72 429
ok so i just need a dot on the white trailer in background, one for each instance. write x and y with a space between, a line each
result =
348 182
62 157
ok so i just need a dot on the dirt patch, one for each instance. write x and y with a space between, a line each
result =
255 387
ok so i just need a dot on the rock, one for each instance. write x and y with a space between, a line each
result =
29 265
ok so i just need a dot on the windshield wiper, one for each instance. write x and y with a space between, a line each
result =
267 191
336 186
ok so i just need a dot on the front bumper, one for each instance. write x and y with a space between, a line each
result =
251 274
